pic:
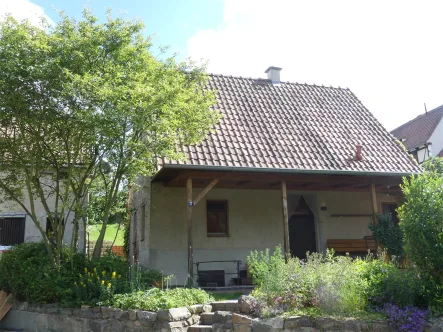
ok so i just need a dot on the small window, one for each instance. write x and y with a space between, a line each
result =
390 208
217 218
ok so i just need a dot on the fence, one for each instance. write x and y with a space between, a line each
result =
107 246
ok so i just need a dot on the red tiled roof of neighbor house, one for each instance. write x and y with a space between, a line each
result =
419 130
293 126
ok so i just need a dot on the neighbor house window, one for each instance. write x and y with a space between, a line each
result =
390 208
217 218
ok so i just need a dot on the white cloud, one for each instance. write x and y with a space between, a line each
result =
23 9
389 53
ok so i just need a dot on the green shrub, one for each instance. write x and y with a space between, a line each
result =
155 299
110 263
421 218
388 234
389 284
27 272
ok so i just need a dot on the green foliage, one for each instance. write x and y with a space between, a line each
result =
388 234
127 236
97 287
156 299
27 272
421 218
90 93
332 283
389 284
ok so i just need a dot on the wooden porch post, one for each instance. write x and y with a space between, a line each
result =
374 204
189 204
284 196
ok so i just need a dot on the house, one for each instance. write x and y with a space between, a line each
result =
289 164
423 136
16 226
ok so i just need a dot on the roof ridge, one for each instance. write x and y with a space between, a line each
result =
439 108
284 82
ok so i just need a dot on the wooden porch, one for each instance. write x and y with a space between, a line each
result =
283 182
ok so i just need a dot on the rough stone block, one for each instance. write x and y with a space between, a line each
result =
241 319
325 323
96 310
196 309
132 314
174 314
306 329
221 317
22 306
207 308
87 313
244 304
137 323
121 314
268 324
146 316
98 325
242 327
293 322
116 326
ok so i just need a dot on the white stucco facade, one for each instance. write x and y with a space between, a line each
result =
10 209
255 223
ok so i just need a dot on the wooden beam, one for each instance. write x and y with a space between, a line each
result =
189 222
374 204
205 191
284 196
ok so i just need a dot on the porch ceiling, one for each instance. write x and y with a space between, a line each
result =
272 181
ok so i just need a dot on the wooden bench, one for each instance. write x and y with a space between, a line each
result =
353 245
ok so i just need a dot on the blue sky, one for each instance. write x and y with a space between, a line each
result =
389 53
172 21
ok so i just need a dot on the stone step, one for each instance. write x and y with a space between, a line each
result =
200 328
228 305
207 318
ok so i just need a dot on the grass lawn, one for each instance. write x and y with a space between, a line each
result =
225 296
94 231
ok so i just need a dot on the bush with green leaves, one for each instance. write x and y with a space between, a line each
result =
421 218
388 234
389 284
156 299
333 283
27 272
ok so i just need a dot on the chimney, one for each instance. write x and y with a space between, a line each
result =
273 74
358 155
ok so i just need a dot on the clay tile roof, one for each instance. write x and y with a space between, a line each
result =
419 130
295 127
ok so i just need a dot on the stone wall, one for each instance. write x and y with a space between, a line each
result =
226 316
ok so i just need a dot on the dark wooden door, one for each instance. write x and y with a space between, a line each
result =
302 231
12 231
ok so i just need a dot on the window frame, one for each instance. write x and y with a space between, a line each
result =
228 228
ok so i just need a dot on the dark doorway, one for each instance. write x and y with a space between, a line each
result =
302 230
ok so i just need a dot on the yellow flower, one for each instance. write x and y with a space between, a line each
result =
104 273
109 285
119 276
113 275
103 282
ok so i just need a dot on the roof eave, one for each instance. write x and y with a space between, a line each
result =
280 170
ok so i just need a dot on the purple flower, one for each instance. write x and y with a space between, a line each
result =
407 319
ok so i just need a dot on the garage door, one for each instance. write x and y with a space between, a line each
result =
12 231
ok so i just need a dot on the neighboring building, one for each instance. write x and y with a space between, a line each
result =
423 136
289 164
17 227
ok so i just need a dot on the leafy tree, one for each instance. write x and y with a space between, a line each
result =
84 101
388 234
422 218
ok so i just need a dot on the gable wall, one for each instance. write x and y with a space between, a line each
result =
437 139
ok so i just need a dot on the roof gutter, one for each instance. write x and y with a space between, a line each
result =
280 170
